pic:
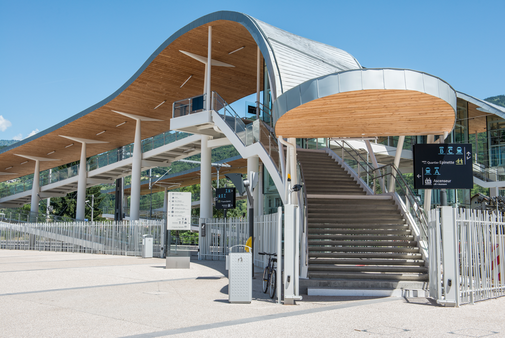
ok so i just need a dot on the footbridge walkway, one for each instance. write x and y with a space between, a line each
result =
160 150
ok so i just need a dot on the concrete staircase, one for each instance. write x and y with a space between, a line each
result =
354 239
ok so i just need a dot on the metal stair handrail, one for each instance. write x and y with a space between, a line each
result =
407 196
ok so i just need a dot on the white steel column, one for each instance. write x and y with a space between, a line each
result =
427 192
83 176
136 163
252 165
398 155
258 80
259 187
81 185
35 191
165 199
293 163
205 180
34 208
374 162
208 68
136 170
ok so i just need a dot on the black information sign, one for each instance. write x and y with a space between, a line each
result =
443 166
225 198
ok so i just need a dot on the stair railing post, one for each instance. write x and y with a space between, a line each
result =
450 259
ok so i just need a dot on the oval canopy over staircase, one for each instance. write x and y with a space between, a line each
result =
367 103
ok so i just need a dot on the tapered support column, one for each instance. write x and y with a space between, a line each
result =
205 180
375 163
258 81
81 186
398 155
83 176
427 192
36 183
136 163
208 70
253 165
136 170
35 192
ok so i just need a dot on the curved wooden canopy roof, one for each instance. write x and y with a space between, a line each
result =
161 77
367 103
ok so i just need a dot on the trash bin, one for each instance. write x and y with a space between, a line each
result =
240 275
147 246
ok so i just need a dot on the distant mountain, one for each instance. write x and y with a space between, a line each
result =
6 143
499 100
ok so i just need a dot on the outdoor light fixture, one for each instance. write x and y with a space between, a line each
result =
25 162
52 152
119 125
186 81
69 145
483 110
100 133
236 50
160 104
8 168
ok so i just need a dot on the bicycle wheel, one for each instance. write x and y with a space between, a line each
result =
265 280
272 284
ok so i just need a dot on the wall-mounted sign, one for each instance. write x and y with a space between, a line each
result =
179 211
225 198
443 166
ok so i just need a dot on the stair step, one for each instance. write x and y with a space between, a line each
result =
349 220
362 243
373 268
366 255
385 276
344 261
319 225
358 237
346 212
361 249
360 232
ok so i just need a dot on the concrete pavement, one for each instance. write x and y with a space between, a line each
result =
52 294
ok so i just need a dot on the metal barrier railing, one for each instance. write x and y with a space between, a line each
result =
223 233
114 238
467 263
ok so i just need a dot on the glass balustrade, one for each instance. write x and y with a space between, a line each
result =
94 162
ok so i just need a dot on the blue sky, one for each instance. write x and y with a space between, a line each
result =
60 57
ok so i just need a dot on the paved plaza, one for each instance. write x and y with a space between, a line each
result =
53 294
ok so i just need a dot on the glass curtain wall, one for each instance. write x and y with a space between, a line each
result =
496 128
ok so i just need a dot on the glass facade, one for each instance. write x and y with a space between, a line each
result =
496 129
460 132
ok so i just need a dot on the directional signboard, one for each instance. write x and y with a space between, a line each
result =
179 211
225 198
443 166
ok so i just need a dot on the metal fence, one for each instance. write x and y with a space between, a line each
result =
467 248
223 233
113 238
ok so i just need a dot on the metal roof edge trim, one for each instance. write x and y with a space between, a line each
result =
493 108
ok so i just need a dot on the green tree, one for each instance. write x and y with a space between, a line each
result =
67 206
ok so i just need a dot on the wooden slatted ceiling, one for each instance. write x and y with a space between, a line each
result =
159 82
368 113
476 119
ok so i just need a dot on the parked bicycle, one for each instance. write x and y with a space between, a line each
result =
269 275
